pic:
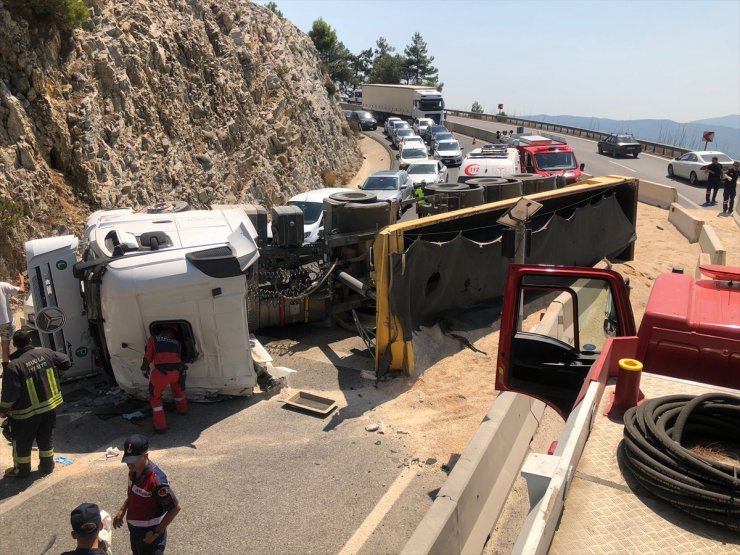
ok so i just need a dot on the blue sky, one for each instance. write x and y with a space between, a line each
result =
624 60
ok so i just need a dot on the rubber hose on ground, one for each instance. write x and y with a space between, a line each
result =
652 451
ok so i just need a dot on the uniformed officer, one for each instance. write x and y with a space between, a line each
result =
150 505
164 350
30 396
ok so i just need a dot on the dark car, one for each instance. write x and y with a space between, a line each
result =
620 144
347 115
365 119
432 130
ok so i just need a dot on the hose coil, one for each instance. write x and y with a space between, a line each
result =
652 451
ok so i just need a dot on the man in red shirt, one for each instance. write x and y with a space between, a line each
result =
163 349
150 505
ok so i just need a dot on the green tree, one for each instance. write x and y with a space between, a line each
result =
476 108
418 63
388 69
332 53
272 6
64 13
382 49
362 63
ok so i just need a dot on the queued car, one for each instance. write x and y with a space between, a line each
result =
388 125
392 186
620 144
689 166
438 138
311 204
449 152
365 120
396 126
412 139
409 154
431 171
347 114
421 125
400 133
433 129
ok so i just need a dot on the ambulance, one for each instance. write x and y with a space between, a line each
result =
491 160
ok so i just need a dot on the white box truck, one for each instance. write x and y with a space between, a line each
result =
405 101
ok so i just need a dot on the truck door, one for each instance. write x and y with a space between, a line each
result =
554 322
59 313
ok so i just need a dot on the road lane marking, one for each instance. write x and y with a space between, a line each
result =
371 522
621 166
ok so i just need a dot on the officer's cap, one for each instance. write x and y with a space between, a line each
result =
135 447
85 519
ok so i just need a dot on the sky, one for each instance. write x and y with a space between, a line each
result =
638 59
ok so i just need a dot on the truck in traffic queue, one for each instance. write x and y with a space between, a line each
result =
404 101
652 448
547 156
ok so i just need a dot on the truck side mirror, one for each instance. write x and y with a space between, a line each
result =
582 166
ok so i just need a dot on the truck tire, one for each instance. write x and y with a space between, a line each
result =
531 186
353 217
361 197
491 187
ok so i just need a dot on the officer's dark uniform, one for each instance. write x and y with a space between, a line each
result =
30 395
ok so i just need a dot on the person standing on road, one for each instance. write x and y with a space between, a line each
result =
6 314
30 396
150 505
164 350
86 525
729 188
714 179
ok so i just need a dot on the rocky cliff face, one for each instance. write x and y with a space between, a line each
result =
153 100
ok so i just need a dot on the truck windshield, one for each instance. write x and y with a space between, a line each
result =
431 104
554 161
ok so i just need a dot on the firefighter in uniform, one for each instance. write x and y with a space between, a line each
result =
163 349
30 396
150 504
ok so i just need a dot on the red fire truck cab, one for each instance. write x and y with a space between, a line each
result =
548 156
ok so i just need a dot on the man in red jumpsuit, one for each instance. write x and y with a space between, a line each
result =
163 349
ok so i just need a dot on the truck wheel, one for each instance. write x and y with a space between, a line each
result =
363 197
692 178
670 170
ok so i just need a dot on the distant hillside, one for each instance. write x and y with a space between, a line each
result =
732 120
686 135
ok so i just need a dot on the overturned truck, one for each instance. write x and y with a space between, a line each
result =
217 276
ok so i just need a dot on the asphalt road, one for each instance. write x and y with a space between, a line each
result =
251 475
647 166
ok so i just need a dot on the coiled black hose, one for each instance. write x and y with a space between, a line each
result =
652 451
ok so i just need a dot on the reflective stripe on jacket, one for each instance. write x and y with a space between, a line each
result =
31 383
164 352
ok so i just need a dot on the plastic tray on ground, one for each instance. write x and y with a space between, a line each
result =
310 402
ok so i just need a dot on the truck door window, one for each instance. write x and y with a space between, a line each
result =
577 312
528 159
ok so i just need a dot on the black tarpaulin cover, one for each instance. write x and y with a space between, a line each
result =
431 279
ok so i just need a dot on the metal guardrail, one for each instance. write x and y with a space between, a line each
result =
669 151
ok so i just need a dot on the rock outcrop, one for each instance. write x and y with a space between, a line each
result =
152 100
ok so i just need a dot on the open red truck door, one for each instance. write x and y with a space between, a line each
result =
554 323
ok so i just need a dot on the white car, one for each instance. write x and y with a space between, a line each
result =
388 125
410 154
311 204
421 125
431 171
412 140
689 166
449 151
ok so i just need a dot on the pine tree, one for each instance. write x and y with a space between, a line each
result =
418 64
476 108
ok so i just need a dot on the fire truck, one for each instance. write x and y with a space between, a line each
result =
547 156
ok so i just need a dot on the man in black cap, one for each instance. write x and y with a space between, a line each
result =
30 396
150 505
86 525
